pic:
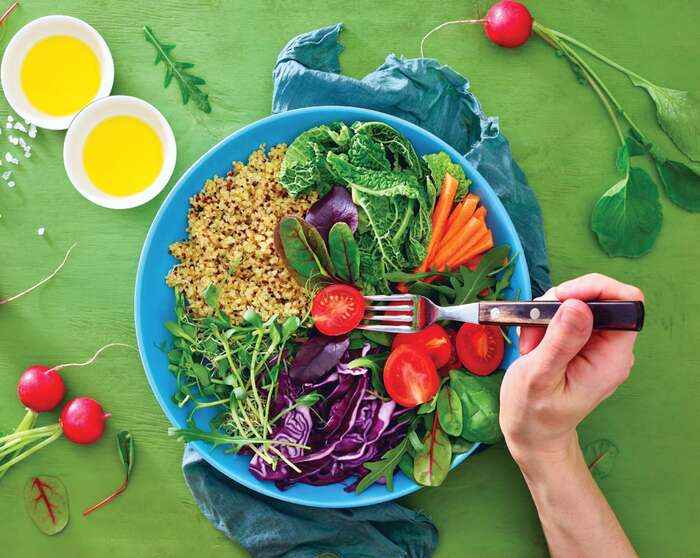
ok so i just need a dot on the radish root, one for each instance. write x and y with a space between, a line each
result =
454 22
94 357
44 280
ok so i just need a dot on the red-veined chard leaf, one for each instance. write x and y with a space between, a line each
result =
430 467
125 450
46 502
600 457
344 253
302 250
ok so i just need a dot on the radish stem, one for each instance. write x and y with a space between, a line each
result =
57 434
8 12
44 280
93 358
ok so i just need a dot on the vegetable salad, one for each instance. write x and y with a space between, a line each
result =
314 400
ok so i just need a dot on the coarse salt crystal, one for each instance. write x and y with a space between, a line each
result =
6 175
10 159
11 183
14 140
8 126
32 131
23 143
9 118
27 154
40 231
19 126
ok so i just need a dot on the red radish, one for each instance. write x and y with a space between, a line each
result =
83 420
44 280
40 388
507 23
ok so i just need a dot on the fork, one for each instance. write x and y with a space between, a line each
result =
419 312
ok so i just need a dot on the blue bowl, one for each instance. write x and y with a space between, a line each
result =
154 301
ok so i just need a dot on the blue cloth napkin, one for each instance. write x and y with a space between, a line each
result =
422 91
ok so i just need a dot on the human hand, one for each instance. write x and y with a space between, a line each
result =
564 372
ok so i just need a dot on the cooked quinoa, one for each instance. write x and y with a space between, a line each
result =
231 225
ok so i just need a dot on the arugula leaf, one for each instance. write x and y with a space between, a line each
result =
678 113
627 218
440 164
600 457
385 467
187 82
468 284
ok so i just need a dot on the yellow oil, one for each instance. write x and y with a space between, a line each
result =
122 155
60 75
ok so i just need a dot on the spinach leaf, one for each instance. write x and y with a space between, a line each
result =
304 167
440 164
600 457
430 467
449 410
460 445
627 218
682 183
302 250
479 396
678 113
344 253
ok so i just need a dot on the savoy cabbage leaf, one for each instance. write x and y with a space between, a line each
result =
439 164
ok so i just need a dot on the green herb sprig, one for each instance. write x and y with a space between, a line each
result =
179 71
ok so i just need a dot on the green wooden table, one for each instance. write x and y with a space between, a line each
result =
560 136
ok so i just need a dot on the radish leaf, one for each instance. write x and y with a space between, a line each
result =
125 447
682 183
678 113
627 218
600 457
46 502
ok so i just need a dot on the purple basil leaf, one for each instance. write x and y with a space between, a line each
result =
316 357
334 207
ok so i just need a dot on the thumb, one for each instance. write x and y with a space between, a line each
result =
566 335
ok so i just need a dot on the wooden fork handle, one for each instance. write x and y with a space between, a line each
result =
626 315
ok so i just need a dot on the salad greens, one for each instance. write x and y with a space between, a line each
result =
313 408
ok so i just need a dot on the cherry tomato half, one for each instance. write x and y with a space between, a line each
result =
480 348
410 376
337 309
454 363
434 340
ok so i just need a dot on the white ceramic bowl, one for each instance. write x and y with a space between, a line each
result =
85 122
25 39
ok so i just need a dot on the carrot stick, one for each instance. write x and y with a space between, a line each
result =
466 211
486 243
470 234
440 215
480 213
453 215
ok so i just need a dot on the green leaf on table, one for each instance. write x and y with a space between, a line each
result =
622 159
187 82
46 502
125 448
344 253
600 457
431 466
627 218
682 183
678 113
634 145
449 410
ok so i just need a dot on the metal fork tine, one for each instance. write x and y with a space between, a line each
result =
389 308
407 319
387 328
389 298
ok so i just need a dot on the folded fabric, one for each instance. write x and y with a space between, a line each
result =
422 91
269 528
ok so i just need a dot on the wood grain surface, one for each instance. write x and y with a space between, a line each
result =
561 137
